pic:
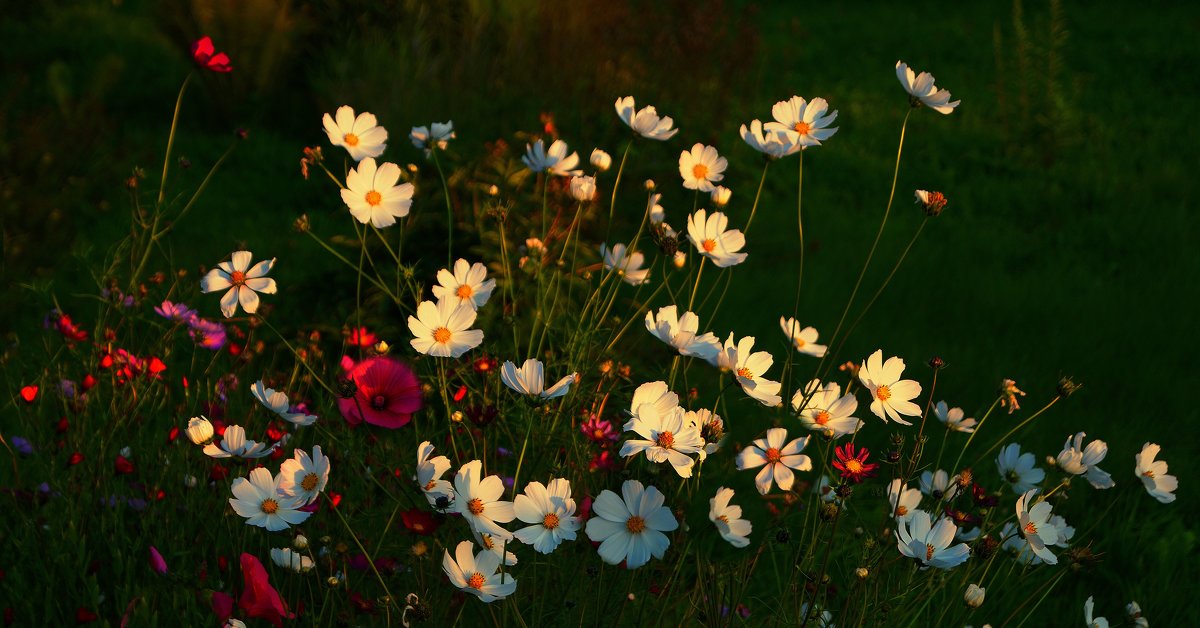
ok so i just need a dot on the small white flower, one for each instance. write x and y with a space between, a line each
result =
1079 460
779 459
921 88
721 196
360 136
712 430
601 160
288 559
436 134
499 547
953 418
656 393
442 329
1018 469
824 488
681 332
478 500
372 195
929 543
630 527
303 477
654 210
974 595
244 283
556 160
551 511
583 188
467 285
937 484
728 518
200 430
803 339
477 573
903 500
277 402
1035 525
701 167
827 410
234 444
773 144
530 380
1089 618
629 267
805 123
749 366
430 472
1153 474
1135 615
707 233
260 502
665 437
890 396
646 121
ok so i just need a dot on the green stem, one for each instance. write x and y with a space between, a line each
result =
162 186
449 209
754 208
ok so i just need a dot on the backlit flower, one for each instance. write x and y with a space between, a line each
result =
259 599
803 339
244 283
360 136
277 402
681 332
235 444
1079 460
583 188
477 499
177 312
728 518
289 559
748 367
500 547
467 285
442 329
206 56
556 160
630 527
303 477
890 396
1089 616
429 475
645 122
1153 474
372 195
773 144
386 393
923 91
437 134
929 542
199 430
1034 523
665 437
932 202
261 503
707 233
530 380
776 458
712 429
601 160
974 595
903 500
805 123
953 418
629 267
827 410
721 195
701 167
853 463
550 510
1018 469
477 573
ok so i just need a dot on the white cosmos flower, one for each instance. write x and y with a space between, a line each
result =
1135 615
903 500
1019 469
1153 474
953 418
707 233
499 547
360 136
779 459
922 89
467 285
260 502
645 122
773 144
728 518
630 527
1034 523
477 573
277 402
749 367
1024 553
929 543
303 477
1089 617
712 430
1079 460
827 409
530 380
478 500
803 339
654 210
890 396
550 510
937 484
601 160
974 595
235 444
629 267
721 195
372 195
442 329
681 332
430 472
701 167
665 437
199 430
825 489
805 123
656 393
583 188
244 283
556 160
436 134
288 559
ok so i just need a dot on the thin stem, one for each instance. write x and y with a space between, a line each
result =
699 272
162 186
616 184
449 209
754 208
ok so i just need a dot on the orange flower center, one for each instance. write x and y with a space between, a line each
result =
854 466
237 278
476 580
901 511
883 393
700 171
928 552
442 335
1149 474
799 343
270 506
822 417
309 482
773 455
374 198
802 128
550 521
488 543
475 506
723 518
709 245
350 139
665 440
635 524
464 291
430 485
598 434
1031 528
745 372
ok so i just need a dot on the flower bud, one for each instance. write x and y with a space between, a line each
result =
300 542
862 573
649 185
601 160
199 430
720 196
680 259
190 481
932 202
493 190
974 596
583 188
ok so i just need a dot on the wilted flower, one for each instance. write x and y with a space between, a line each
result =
932 202
360 136
244 283
1009 393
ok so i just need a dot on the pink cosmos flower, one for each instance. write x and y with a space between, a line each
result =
388 393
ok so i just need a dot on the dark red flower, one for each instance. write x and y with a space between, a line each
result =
222 605
482 415
218 473
419 521
962 518
76 458
123 465
62 425
69 329
361 337
206 56
388 393
173 434
854 466
604 461
84 615
29 393
259 599
89 381
981 497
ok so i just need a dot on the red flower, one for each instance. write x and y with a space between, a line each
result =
123 465
419 521
156 367
981 497
259 598
203 54
89 381
69 329
388 393
361 337
222 605
76 458
854 466
173 434
604 461
84 615
29 393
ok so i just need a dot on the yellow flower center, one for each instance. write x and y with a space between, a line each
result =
635 524
475 506
928 552
550 521
822 417
476 580
709 245
700 171
442 335
597 434
854 466
802 128
665 440
488 543
799 343
309 482
270 506
901 511
237 278
464 291
374 198
745 372
350 139
883 393
773 455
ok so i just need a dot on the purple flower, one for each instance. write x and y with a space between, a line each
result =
156 561
68 388
177 312
207 334
22 445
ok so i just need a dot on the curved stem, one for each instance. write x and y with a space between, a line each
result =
616 184
754 208
162 186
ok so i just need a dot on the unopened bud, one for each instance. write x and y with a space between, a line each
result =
601 160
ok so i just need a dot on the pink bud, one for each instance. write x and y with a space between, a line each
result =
156 561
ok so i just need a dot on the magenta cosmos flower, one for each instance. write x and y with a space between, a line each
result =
388 393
